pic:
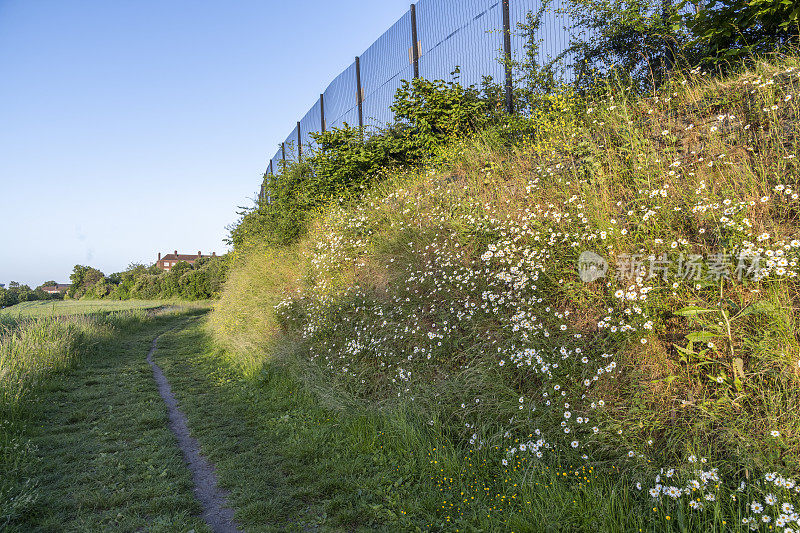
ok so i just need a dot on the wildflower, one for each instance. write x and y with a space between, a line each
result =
774 433
696 505
756 507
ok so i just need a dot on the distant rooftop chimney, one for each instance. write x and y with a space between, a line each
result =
176 252
159 256
199 254
213 254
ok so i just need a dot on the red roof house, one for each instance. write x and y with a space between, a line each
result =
56 289
170 260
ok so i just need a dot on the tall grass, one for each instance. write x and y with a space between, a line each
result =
453 294
34 349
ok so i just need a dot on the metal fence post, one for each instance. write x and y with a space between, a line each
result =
358 93
271 169
299 144
414 41
507 53
322 111
283 156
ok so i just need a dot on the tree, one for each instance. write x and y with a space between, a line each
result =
634 41
82 278
726 30
7 298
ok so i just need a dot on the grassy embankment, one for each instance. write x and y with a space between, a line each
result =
84 442
446 309
429 358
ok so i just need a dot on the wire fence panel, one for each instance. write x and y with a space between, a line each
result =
552 35
383 65
312 122
275 163
377 112
291 146
340 100
460 33
463 34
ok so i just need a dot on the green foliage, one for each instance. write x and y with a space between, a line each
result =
632 41
638 42
533 78
726 30
82 280
201 281
347 161
16 293
438 112
7 298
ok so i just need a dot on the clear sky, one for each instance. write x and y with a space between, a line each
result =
129 127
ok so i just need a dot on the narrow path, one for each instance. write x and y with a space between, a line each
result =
216 512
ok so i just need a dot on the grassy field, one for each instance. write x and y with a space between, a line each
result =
75 307
84 442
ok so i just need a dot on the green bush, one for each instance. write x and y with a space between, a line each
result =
348 160
726 30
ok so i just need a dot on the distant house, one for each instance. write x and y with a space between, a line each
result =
170 260
59 288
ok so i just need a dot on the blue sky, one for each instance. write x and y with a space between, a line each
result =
133 127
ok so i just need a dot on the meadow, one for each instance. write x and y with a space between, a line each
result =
58 375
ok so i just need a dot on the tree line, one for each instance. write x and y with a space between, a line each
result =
200 281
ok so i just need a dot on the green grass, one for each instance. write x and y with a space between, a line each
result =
449 298
75 307
293 463
280 454
88 448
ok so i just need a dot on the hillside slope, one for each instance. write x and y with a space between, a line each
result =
614 298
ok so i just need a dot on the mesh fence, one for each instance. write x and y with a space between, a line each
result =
550 37
451 34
